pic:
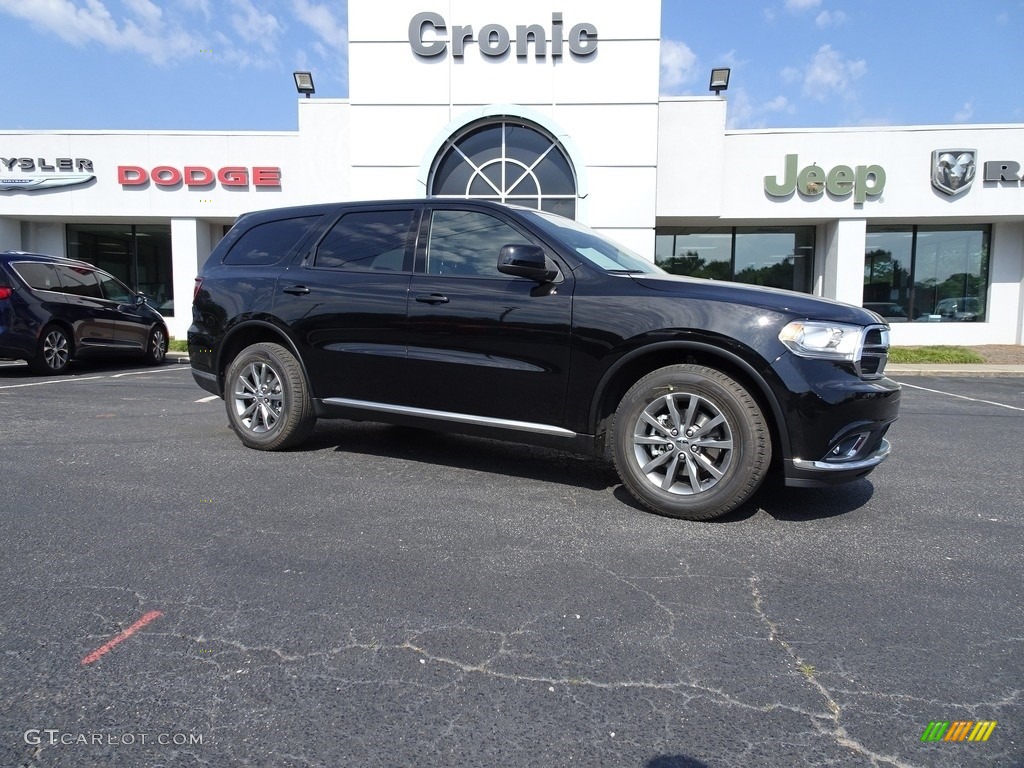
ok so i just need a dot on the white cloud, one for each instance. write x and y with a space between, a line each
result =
324 23
830 19
830 74
148 14
255 26
744 112
797 6
965 113
678 65
92 22
203 6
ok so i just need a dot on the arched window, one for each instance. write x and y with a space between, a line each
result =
508 161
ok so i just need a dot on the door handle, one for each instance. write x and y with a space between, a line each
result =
432 298
296 290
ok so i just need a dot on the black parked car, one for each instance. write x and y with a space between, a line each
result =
53 310
513 323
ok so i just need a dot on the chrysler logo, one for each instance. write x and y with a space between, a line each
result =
33 181
953 170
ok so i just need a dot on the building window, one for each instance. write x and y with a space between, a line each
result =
778 257
508 161
138 255
927 274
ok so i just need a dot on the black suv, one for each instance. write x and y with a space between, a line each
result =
518 324
54 309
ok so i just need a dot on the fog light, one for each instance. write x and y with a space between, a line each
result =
848 448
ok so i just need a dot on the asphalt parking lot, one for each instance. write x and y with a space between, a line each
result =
394 597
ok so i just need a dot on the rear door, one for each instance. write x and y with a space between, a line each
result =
345 303
93 318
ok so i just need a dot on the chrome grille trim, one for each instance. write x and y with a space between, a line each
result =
875 354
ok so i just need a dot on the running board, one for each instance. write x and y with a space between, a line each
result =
459 418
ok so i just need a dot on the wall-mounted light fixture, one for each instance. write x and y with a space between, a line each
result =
304 82
719 80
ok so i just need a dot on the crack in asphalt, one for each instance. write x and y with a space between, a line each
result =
837 732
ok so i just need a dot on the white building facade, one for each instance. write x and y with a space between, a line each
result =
556 105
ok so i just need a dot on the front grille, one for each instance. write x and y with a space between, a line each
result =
875 354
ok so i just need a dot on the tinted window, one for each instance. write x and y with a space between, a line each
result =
467 243
269 243
41 277
367 240
115 290
79 281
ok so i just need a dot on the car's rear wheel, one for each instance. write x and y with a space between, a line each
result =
690 442
267 398
54 354
156 349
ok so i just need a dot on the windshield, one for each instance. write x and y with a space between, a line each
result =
595 248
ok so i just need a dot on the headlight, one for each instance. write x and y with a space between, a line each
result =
825 341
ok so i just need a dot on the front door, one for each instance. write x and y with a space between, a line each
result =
480 342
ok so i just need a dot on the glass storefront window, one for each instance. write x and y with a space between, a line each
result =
138 255
927 274
779 257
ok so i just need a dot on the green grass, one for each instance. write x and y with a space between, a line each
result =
177 345
934 355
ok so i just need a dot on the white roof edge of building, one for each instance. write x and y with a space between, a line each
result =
173 132
879 128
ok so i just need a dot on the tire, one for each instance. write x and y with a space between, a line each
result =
54 353
267 398
156 347
718 456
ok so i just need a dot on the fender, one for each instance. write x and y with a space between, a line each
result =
248 325
714 351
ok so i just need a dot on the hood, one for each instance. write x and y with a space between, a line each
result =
798 305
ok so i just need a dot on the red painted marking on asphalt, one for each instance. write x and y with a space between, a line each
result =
118 639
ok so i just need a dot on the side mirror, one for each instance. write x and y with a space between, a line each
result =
526 260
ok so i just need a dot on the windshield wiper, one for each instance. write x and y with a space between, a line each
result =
626 271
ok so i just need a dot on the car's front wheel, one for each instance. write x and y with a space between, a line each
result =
156 349
690 442
54 352
267 398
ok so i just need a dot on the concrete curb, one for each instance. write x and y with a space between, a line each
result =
951 369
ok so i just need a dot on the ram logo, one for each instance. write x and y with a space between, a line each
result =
953 170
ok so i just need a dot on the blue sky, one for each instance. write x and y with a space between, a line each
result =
226 64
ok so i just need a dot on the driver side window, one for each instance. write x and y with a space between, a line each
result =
467 243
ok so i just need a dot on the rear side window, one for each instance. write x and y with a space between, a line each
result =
367 240
39 277
79 281
269 243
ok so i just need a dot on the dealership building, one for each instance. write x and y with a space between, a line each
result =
556 105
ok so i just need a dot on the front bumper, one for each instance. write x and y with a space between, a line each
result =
836 421
804 473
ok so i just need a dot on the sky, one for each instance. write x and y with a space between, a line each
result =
226 64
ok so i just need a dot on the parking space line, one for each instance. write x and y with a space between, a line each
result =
962 397
54 381
72 379
143 373
120 638
209 399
